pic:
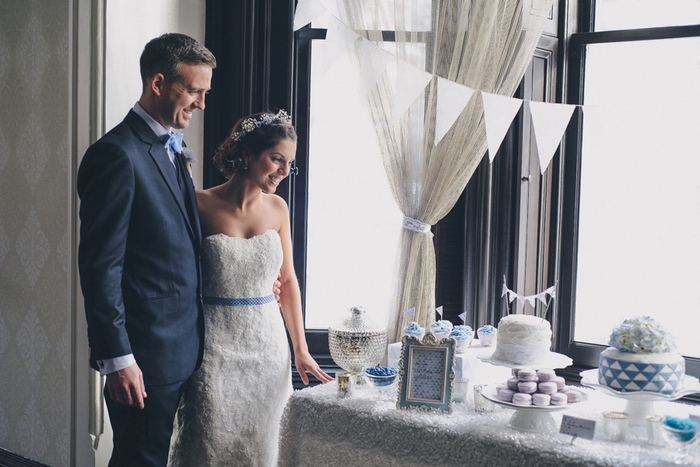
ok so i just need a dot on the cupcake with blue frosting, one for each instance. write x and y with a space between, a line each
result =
414 329
463 335
487 335
441 329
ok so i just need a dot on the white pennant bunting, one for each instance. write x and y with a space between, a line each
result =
463 317
306 12
410 84
372 65
531 299
499 112
410 312
504 289
439 311
339 39
452 98
549 121
512 296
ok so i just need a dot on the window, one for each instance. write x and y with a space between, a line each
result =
353 222
349 224
631 199
635 14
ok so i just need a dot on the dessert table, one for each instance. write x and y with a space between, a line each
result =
320 428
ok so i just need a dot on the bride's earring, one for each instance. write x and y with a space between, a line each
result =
240 164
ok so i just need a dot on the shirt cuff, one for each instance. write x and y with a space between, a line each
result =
110 365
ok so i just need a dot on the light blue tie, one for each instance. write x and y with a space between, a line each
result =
174 142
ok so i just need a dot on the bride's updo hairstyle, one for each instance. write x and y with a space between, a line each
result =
253 134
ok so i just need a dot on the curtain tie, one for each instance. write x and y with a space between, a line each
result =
414 225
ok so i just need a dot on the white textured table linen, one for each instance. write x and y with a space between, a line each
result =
321 429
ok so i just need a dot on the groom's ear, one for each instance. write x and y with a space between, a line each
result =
155 83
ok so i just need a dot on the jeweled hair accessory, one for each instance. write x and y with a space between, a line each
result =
251 123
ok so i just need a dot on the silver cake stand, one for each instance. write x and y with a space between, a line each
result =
640 403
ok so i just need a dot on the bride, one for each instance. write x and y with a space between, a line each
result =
232 406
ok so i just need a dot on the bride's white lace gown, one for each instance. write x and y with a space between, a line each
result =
231 409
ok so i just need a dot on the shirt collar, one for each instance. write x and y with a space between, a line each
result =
157 128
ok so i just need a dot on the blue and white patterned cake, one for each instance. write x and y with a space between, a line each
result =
641 358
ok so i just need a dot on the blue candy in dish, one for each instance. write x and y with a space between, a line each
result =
683 430
381 376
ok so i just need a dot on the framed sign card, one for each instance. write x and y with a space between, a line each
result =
426 374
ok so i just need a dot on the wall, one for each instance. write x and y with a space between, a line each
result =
44 94
36 221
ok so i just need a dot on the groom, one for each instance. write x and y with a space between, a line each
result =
139 252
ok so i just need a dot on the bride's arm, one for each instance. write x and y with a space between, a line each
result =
290 300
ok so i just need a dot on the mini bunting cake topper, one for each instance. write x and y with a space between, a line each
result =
546 297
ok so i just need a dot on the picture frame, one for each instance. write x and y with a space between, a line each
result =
426 374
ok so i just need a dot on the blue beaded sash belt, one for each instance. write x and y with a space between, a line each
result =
239 301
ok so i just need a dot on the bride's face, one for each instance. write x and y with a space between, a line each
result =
273 165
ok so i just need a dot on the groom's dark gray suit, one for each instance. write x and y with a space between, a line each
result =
139 254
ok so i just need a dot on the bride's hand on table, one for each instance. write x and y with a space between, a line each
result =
305 363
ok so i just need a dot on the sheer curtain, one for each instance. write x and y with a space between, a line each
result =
485 45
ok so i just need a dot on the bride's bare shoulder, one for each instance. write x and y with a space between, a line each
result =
276 202
208 197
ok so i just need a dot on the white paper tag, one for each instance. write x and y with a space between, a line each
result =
579 427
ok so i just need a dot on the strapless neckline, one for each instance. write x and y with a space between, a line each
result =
254 237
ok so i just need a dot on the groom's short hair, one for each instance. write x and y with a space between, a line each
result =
165 53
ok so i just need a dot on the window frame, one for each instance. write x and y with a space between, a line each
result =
316 339
476 242
585 355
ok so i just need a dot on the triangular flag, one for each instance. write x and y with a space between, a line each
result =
306 12
463 317
512 296
439 311
339 39
373 62
452 98
549 121
410 84
499 112
410 312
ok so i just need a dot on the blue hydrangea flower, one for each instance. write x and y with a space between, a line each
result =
642 334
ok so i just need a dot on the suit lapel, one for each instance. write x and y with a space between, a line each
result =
165 168
190 199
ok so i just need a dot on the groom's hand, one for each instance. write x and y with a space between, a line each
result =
126 386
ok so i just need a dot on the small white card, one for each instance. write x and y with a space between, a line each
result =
578 427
